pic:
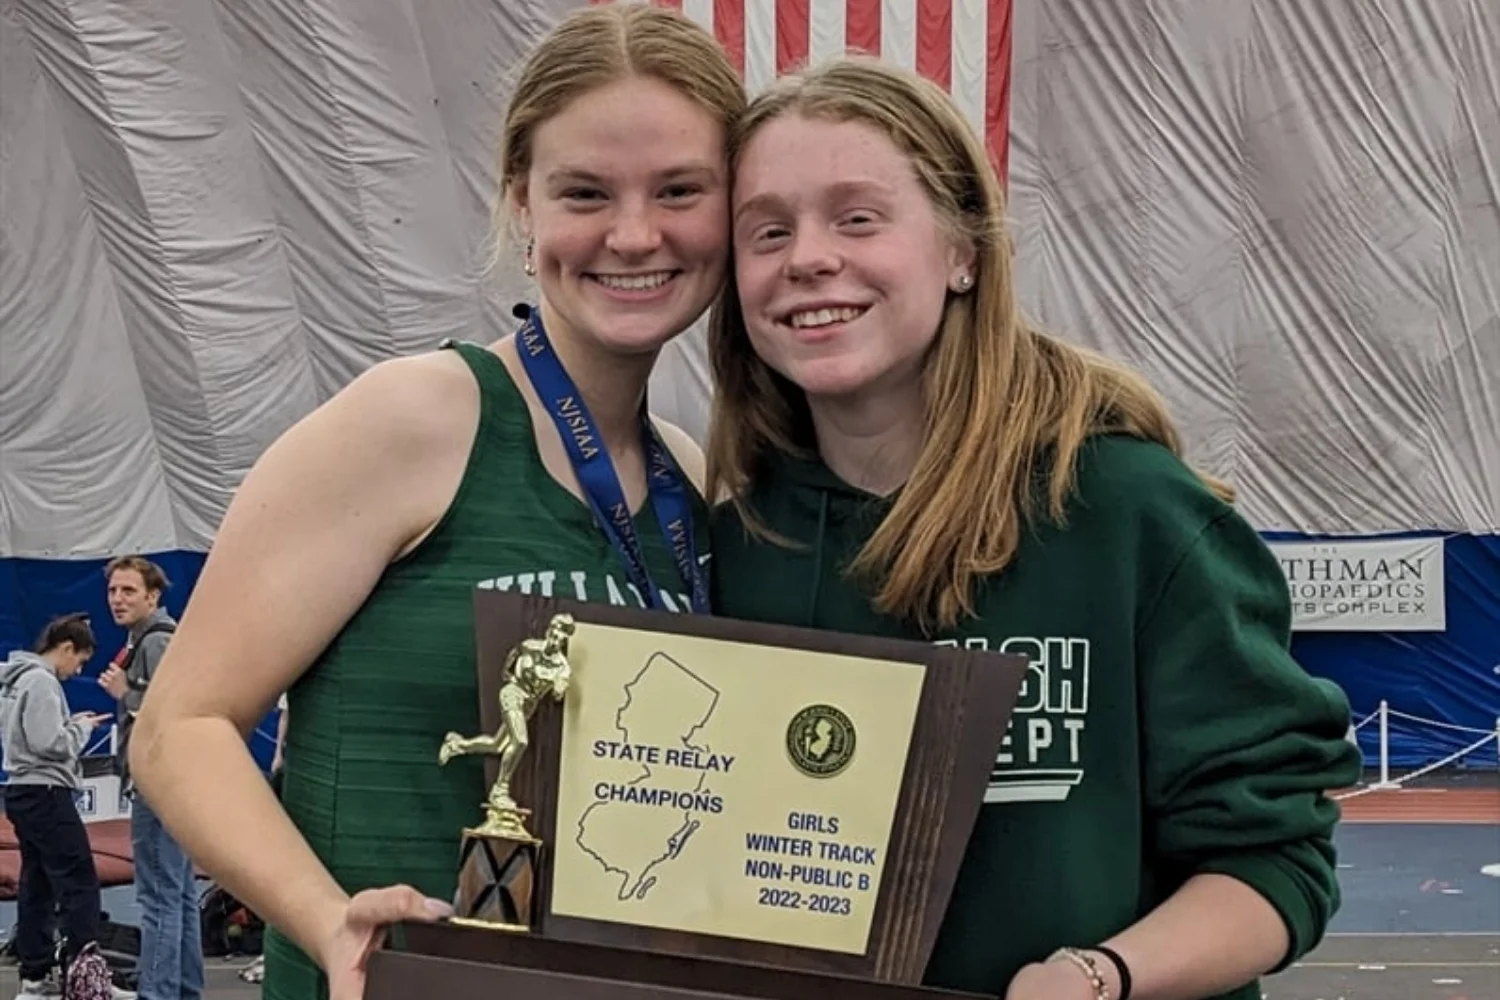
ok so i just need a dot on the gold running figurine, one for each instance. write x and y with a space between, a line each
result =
533 670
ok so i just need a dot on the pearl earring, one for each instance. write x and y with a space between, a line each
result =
964 281
529 264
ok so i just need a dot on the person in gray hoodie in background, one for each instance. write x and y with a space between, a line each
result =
42 743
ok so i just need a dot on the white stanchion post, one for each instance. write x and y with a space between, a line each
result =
1385 746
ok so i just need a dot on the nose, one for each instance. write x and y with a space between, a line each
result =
812 254
634 233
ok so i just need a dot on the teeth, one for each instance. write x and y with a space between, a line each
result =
823 317
634 282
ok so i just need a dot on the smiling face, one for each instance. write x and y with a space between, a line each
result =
627 202
842 264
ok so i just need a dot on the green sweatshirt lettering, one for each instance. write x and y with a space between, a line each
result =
1163 729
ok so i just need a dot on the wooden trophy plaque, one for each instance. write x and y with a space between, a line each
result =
687 806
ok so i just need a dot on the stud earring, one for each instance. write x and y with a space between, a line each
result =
964 281
529 263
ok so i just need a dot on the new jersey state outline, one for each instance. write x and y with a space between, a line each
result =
665 706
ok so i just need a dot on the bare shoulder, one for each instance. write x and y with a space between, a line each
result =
392 444
313 528
683 448
417 401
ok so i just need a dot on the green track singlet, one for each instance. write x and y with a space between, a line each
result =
362 780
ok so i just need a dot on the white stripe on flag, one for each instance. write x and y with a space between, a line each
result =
970 76
701 11
826 31
760 45
898 33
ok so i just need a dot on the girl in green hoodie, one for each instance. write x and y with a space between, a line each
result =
905 456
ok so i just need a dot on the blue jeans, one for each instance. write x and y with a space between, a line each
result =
171 962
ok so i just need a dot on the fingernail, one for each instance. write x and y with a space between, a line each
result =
438 908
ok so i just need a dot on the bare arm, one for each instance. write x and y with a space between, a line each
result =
1213 935
309 534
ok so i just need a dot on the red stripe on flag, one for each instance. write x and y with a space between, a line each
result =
935 41
997 86
862 26
729 28
793 24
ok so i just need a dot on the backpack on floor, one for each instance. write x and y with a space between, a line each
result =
229 926
87 976
120 944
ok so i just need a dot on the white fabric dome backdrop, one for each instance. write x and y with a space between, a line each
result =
214 214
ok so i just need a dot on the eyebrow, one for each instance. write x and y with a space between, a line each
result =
577 175
836 191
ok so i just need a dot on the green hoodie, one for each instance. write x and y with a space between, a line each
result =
1163 729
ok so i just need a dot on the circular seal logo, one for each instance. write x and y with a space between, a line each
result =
820 741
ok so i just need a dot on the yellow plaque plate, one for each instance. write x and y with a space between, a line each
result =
728 789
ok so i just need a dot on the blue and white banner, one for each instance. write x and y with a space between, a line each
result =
1365 585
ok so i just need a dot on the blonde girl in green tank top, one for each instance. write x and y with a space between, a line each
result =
344 569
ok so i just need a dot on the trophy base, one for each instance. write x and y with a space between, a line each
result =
488 925
457 964
497 878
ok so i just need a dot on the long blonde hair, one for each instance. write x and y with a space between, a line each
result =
1007 407
598 45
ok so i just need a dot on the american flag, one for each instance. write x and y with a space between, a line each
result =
964 45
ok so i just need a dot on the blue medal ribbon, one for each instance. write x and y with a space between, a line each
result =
667 493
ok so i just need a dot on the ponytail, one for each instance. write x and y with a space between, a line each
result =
72 628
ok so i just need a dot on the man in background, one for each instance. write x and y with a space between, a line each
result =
171 961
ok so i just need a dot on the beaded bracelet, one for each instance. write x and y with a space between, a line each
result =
1086 964
1121 969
